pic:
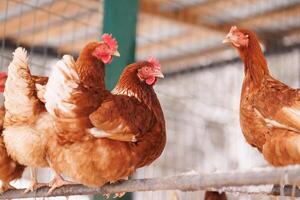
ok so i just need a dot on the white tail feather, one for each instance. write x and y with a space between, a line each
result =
20 100
20 57
40 91
61 85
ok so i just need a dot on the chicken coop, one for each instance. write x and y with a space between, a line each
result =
200 93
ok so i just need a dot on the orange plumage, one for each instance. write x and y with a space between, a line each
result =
269 109
10 169
27 124
132 110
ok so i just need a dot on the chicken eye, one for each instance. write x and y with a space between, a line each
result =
146 69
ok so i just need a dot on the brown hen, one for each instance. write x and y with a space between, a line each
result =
269 109
132 110
9 169
27 123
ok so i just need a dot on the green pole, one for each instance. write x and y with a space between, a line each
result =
120 18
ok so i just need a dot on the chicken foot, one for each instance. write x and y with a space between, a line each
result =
281 188
117 194
6 186
293 193
58 182
34 183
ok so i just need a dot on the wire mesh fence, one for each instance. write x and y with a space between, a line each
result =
201 91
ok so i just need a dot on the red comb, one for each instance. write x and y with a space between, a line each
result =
154 62
232 29
110 41
3 74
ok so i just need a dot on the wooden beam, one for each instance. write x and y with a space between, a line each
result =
40 17
14 8
76 46
265 35
174 42
58 28
3 5
16 24
191 69
182 16
283 12
190 16
194 55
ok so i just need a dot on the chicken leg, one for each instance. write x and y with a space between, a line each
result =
58 182
6 186
34 183
117 194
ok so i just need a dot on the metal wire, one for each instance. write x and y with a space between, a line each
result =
200 104
50 12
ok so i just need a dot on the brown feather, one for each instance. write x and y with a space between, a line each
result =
96 161
211 195
9 169
269 109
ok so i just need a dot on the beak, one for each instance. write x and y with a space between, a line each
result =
116 53
158 74
227 39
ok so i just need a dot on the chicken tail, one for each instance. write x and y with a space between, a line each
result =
21 101
61 89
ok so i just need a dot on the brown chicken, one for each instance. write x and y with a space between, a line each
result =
132 110
27 123
10 170
269 109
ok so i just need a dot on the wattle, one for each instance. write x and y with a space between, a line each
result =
106 59
151 80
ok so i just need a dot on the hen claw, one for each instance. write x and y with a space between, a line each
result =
57 182
34 186
119 194
116 195
5 187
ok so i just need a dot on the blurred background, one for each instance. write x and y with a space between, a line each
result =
203 78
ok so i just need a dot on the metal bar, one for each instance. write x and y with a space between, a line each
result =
191 181
18 10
